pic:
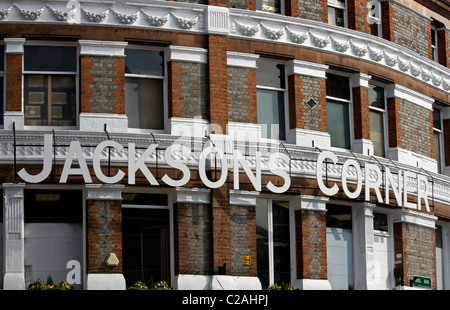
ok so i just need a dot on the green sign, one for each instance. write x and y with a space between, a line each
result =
421 282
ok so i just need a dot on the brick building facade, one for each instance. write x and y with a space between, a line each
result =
226 144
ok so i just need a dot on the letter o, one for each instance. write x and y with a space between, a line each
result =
354 163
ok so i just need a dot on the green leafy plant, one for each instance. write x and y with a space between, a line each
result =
283 286
139 285
49 285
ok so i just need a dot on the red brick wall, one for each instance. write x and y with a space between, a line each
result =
304 247
119 80
14 82
104 230
443 51
181 239
394 122
361 113
295 99
387 21
85 80
218 83
220 204
357 18
253 115
175 99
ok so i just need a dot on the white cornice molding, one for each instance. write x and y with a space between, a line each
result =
308 202
414 217
243 198
14 45
104 191
300 67
189 54
193 195
243 60
398 91
102 48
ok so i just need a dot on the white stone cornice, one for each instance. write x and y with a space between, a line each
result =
102 48
398 91
360 80
243 198
306 68
414 217
193 195
308 202
243 60
104 191
185 53
14 45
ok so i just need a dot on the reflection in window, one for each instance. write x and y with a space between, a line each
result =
336 12
338 110
2 81
437 136
273 6
271 90
49 85
377 114
380 222
272 237
144 88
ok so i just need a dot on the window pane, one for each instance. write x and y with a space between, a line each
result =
437 149
268 5
281 248
339 216
374 29
144 62
144 103
380 221
338 124
437 118
377 132
438 233
262 241
270 74
49 100
2 108
376 96
50 58
270 106
2 58
338 86
336 16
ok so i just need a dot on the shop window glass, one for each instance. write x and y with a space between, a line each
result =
339 246
2 81
50 85
338 110
272 237
380 222
53 233
271 91
144 88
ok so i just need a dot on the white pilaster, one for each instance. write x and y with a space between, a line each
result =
364 251
13 237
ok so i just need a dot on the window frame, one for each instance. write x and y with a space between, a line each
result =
282 8
76 74
164 78
385 117
336 5
435 47
439 131
269 199
350 109
285 99
3 81
375 18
